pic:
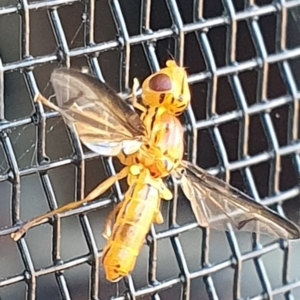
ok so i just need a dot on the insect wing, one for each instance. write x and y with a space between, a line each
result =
216 203
104 122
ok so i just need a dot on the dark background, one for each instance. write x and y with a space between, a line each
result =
256 276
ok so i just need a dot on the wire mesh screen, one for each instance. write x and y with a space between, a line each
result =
242 58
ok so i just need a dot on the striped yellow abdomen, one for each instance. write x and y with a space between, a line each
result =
137 212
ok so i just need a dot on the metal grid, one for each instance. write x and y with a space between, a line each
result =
215 63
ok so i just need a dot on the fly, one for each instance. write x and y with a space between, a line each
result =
151 147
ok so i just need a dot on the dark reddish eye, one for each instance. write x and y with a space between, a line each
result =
160 83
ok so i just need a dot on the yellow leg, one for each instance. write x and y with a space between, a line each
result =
158 218
43 100
133 97
100 189
110 221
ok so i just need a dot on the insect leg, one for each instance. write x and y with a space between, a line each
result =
158 218
133 97
43 100
110 221
100 189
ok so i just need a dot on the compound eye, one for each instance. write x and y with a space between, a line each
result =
160 83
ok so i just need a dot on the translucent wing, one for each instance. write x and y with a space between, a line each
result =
105 123
216 203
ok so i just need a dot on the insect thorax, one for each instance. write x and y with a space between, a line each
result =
163 147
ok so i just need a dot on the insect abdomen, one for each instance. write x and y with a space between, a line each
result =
132 224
